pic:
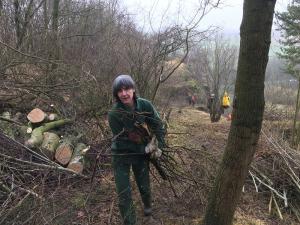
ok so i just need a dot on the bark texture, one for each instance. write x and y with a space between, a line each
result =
77 162
248 107
64 151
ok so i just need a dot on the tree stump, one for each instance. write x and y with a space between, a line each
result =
36 115
64 151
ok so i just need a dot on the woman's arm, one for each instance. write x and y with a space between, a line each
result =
115 123
157 126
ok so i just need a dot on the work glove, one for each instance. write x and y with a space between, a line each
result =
151 146
152 149
156 154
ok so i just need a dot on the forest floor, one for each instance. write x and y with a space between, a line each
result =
199 145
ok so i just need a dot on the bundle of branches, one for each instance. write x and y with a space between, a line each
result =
189 171
277 171
183 165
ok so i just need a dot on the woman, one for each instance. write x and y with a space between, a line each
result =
130 120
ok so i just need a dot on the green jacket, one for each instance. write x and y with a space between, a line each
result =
122 117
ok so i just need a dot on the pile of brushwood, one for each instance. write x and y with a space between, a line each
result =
275 171
44 134
30 184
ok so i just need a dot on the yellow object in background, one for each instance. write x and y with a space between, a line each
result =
226 100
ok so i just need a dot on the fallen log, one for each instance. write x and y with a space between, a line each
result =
49 144
77 162
64 151
36 116
37 134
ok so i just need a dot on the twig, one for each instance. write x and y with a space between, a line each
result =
60 168
7 213
10 120
27 55
99 154
256 188
282 196
31 192
295 181
110 211
277 207
296 212
6 189
270 204
262 175
28 149
285 196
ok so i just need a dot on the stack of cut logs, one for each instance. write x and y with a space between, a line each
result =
67 151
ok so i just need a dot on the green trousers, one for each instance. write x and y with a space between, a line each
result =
140 168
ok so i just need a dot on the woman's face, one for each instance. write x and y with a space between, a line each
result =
126 96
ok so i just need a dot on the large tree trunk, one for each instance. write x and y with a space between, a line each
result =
295 137
17 18
45 15
21 24
247 112
55 17
1 7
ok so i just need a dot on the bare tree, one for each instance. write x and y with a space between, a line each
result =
149 56
55 18
75 49
247 112
23 14
1 7
87 46
213 64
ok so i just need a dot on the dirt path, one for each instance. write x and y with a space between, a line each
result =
201 140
